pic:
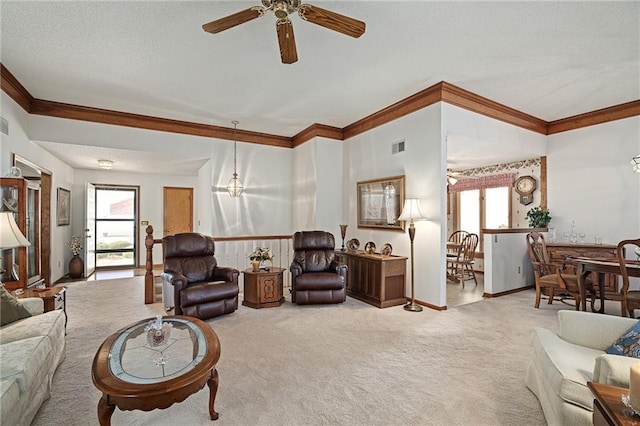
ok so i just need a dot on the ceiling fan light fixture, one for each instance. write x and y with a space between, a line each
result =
235 186
105 164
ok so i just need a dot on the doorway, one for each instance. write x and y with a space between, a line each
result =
178 210
116 226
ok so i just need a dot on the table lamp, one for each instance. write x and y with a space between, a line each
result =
411 212
10 234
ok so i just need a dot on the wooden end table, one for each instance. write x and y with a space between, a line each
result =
135 376
608 409
263 289
53 298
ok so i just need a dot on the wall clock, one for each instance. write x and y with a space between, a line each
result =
525 185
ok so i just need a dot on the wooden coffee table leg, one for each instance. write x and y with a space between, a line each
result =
105 410
213 390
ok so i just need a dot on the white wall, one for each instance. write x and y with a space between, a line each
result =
150 200
590 181
507 265
368 156
18 142
304 189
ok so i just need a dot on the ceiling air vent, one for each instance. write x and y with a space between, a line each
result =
5 126
397 147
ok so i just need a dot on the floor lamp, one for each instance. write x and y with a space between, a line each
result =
10 234
411 212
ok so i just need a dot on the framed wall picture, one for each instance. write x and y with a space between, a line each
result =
63 206
380 202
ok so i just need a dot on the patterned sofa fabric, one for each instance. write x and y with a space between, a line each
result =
31 350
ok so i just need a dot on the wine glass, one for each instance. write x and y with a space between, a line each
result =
582 235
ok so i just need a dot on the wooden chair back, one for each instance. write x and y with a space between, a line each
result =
537 249
634 245
468 248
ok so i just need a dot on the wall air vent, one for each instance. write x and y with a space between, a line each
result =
4 126
397 147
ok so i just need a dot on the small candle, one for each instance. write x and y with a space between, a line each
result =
634 386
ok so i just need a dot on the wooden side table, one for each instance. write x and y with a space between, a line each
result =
53 298
263 289
608 409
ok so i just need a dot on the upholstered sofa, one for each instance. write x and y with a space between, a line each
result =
562 364
31 349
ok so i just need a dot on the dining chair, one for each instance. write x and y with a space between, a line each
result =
455 239
629 299
551 277
460 267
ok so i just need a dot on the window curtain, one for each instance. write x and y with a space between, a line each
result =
493 181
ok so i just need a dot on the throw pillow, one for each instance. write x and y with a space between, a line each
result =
628 344
10 309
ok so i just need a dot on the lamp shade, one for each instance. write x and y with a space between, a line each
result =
412 211
10 235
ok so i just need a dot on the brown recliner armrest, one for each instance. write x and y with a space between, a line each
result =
179 282
339 268
225 274
296 269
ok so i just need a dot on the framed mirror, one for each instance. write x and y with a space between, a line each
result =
380 202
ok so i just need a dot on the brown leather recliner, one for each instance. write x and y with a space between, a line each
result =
316 277
201 288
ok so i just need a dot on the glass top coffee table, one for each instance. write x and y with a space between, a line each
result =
132 374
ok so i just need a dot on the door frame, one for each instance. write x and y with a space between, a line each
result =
136 232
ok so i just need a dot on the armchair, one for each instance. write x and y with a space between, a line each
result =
193 283
316 277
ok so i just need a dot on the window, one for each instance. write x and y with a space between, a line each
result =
483 208
116 230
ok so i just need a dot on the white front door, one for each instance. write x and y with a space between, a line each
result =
90 231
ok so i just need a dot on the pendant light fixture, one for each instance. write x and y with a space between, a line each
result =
235 187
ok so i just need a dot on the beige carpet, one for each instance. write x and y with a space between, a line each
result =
348 364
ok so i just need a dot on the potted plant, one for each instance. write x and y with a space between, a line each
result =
538 218
76 265
259 256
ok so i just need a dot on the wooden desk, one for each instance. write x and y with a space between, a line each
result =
608 409
585 266
263 289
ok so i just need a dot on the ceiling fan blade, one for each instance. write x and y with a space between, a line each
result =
333 21
286 41
231 21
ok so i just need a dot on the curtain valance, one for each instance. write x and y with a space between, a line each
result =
493 181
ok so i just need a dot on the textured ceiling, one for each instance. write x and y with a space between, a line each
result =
548 59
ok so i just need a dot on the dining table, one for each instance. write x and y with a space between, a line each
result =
598 266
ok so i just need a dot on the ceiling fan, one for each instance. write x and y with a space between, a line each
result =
454 177
282 9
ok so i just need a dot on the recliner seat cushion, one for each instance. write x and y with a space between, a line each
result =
319 281
205 292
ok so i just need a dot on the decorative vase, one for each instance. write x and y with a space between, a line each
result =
256 265
76 267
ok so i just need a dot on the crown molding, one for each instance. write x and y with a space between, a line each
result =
16 91
439 92
413 103
317 130
98 115
470 101
616 112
